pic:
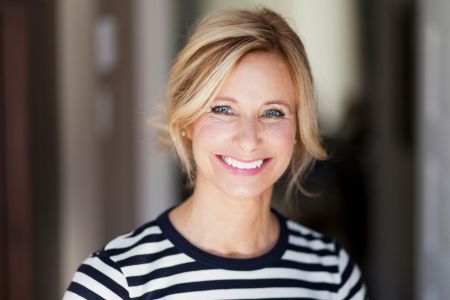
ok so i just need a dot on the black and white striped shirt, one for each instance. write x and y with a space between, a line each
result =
156 262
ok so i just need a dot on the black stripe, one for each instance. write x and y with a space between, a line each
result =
142 228
104 280
321 252
310 236
165 272
105 259
82 291
356 288
306 267
290 298
146 258
240 284
337 248
347 272
194 266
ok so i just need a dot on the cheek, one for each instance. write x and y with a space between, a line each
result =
207 130
209 135
282 135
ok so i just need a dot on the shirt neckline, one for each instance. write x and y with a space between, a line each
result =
216 261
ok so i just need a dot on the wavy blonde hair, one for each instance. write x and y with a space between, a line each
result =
218 42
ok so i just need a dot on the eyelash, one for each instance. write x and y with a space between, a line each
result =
218 109
215 110
279 113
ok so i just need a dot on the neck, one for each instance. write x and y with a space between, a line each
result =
214 222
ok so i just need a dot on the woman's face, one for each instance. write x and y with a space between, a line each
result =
244 140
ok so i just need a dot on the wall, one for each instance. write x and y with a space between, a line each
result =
80 214
433 128
113 57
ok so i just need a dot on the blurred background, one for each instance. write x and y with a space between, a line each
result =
79 163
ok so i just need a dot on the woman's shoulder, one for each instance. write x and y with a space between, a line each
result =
305 237
300 229
306 244
323 253
103 272
146 239
142 234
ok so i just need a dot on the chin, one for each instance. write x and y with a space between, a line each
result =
243 192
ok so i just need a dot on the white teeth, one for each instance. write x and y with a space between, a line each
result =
242 165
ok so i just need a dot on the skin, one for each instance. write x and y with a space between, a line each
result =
251 118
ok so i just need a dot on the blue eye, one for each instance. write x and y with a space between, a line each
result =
222 110
274 113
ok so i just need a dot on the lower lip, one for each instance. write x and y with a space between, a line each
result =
244 171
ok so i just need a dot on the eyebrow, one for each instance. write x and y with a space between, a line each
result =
270 102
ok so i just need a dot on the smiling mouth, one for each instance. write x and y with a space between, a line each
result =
242 165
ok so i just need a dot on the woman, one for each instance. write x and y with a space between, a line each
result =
241 113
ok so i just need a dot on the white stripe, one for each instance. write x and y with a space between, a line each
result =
68 295
302 229
146 248
343 260
163 262
315 244
352 280
124 241
211 275
107 270
256 293
360 295
310 258
94 286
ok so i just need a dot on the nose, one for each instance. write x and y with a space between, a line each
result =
248 135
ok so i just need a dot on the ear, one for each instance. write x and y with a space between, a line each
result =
189 132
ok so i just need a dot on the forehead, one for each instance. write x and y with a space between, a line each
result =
259 76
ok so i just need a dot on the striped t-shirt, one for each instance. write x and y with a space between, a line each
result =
157 262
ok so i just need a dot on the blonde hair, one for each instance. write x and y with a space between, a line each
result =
219 41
